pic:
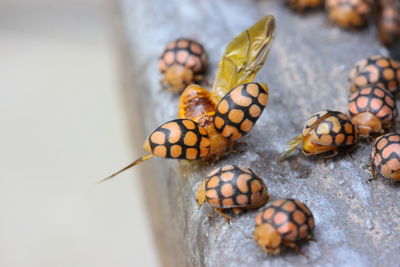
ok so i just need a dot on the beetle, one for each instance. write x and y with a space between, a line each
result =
376 70
349 13
283 223
233 188
326 132
302 5
183 62
385 157
372 109
388 21
219 117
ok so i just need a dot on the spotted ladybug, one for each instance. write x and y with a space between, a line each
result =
302 5
389 21
283 223
182 63
376 70
372 109
176 139
232 187
325 132
349 13
385 157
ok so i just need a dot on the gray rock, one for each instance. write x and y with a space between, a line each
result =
306 72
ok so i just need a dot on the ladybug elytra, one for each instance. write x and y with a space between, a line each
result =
325 132
182 63
372 109
349 13
378 70
283 224
389 21
232 187
385 156
302 5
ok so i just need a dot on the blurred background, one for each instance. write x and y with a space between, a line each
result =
61 108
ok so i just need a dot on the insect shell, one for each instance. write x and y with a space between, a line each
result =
389 21
325 132
176 139
349 13
183 62
228 120
232 187
376 70
179 139
372 109
302 5
283 224
385 157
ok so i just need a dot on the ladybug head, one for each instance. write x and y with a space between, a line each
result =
268 238
176 78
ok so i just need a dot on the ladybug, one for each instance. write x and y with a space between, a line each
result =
176 139
372 109
283 223
182 63
210 121
389 21
302 5
232 188
349 13
229 119
376 70
385 157
325 132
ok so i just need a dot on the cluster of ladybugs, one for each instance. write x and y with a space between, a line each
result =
210 122
372 111
352 14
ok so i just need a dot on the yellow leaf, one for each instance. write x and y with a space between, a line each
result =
244 56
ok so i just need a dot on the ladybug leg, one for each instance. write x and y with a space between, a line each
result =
294 246
330 155
226 216
348 154
237 210
235 147
373 172
200 78
311 238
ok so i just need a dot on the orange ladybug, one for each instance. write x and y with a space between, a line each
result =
377 70
372 109
229 119
385 157
389 21
325 132
349 13
284 223
302 5
182 63
232 187
210 121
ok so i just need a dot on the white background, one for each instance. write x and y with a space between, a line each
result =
63 126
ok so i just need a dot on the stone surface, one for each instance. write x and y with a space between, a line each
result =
357 222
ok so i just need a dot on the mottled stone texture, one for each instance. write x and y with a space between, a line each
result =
357 222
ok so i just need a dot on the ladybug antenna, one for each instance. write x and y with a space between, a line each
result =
136 162
291 146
